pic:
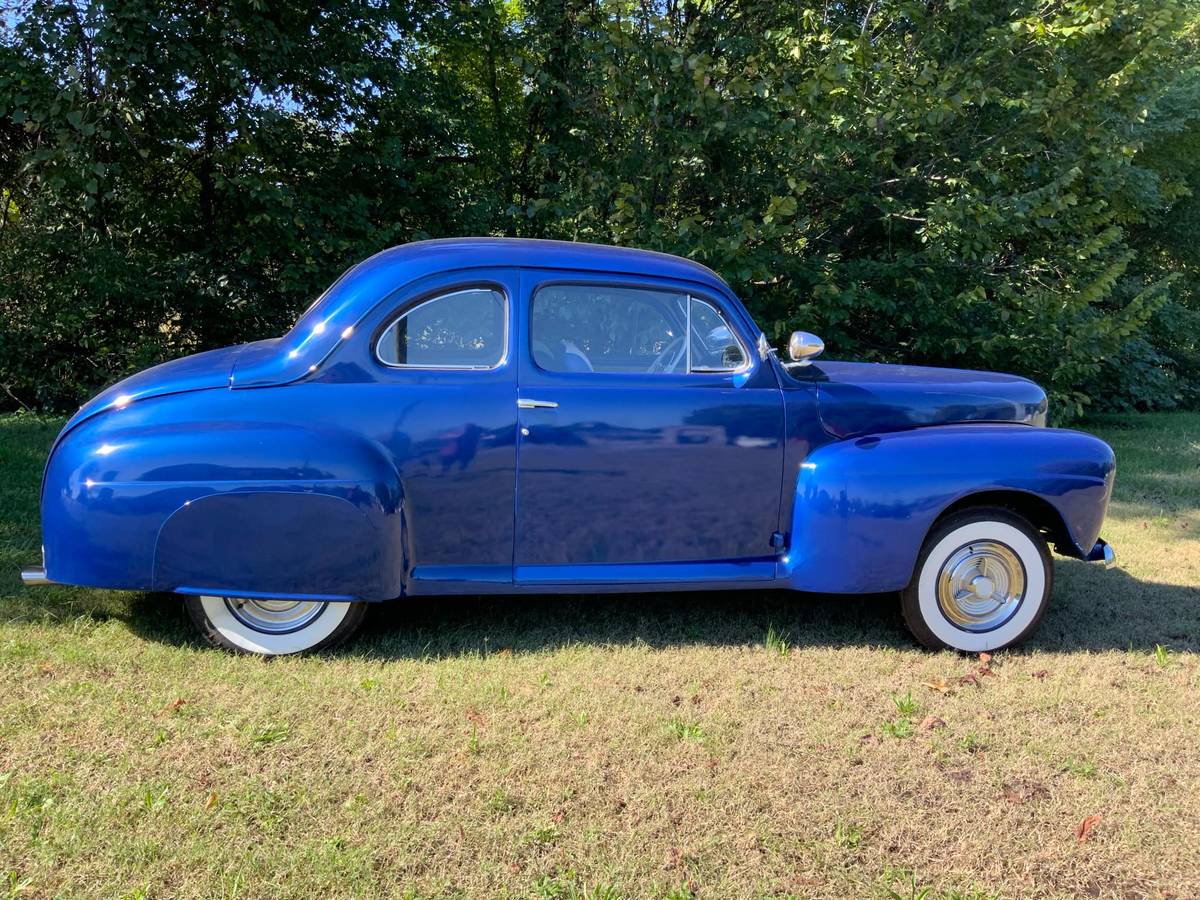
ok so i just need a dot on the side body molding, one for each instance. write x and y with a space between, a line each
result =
864 506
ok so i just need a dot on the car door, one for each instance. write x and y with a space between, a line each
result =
650 444
446 412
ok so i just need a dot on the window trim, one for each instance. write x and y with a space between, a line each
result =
688 293
746 360
433 298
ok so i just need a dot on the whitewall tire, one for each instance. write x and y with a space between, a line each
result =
273 626
982 582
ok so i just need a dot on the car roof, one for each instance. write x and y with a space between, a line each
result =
451 253
364 285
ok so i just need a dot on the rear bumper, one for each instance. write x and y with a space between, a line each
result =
1103 553
34 575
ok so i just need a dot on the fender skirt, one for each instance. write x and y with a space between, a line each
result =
333 545
864 506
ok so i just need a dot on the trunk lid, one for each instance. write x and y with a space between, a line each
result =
211 369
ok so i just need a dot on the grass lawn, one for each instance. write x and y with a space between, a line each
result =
654 746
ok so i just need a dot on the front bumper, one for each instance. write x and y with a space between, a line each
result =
1103 553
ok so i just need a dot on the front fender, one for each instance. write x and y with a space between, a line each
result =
863 507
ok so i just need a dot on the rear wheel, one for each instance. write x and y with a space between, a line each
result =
271 626
983 581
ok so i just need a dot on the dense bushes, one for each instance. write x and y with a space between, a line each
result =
997 185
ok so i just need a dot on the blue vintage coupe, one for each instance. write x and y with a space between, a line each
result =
514 416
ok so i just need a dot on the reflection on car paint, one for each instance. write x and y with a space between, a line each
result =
306 466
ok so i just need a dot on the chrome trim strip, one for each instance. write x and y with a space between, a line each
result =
536 404
453 293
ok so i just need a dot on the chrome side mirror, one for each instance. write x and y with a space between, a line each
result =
804 347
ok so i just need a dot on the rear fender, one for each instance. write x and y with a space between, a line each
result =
237 507
863 507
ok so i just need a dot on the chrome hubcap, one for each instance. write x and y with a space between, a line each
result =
274 616
981 585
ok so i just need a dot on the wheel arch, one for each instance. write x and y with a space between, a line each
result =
1039 512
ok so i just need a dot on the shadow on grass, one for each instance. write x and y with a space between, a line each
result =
438 627
1098 609
1092 610
524 624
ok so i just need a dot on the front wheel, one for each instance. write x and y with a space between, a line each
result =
273 626
982 582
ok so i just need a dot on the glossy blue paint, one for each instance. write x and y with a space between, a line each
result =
211 369
855 397
304 467
873 499
646 468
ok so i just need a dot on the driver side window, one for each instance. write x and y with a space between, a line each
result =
606 328
601 328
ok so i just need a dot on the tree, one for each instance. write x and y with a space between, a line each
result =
943 182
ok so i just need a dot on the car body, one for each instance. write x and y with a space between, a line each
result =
491 415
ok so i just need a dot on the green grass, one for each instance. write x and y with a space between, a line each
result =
776 642
640 746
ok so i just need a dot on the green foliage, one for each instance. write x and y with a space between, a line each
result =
776 642
1162 656
684 730
906 706
906 710
848 835
995 185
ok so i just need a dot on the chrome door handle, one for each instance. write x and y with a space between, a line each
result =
536 404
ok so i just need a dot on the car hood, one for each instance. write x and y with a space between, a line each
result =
864 398
211 369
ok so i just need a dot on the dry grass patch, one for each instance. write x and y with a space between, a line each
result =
692 746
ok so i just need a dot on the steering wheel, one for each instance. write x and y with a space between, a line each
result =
542 354
674 352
